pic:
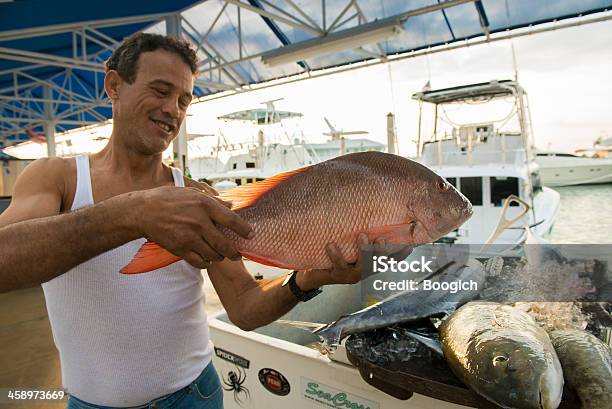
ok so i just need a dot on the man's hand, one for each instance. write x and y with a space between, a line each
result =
342 272
183 221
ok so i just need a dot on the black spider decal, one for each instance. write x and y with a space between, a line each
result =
234 383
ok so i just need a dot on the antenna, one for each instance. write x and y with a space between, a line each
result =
514 63
337 134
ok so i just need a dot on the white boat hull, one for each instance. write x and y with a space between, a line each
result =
570 171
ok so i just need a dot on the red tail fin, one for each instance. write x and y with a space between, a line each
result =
150 257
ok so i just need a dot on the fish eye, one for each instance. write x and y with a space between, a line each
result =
500 360
442 185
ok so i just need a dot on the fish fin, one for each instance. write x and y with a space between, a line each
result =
264 261
330 334
150 257
307 326
425 340
245 196
393 234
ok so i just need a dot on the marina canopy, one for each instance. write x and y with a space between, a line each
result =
52 53
474 92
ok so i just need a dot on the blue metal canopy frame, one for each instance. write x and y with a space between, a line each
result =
52 58
52 53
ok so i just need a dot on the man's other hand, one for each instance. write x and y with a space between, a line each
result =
343 272
184 221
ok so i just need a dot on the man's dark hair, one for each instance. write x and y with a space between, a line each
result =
125 58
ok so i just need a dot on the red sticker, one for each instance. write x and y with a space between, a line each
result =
274 381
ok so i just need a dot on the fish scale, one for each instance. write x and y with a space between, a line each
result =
345 194
296 214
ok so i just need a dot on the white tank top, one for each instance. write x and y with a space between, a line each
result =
125 340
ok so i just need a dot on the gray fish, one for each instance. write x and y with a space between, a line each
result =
407 305
587 366
502 354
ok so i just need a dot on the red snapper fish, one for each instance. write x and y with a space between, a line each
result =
296 214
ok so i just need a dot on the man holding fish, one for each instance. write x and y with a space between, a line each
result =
142 340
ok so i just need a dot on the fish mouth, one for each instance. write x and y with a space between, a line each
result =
540 400
549 396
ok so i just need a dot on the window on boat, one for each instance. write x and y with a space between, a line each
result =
250 165
234 165
501 188
472 189
258 179
452 181
249 180
238 182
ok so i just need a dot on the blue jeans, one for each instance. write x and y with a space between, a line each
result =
203 393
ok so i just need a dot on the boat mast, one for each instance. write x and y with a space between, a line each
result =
435 136
418 153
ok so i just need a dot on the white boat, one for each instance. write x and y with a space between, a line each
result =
566 169
489 161
265 159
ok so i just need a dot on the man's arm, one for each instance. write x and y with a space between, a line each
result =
251 304
37 243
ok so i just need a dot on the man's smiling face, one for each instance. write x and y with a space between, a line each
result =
149 111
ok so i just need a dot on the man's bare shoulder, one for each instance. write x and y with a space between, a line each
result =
48 172
39 191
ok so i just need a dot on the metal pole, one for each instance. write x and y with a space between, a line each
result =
418 147
390 133
50 136
260 148
50 122
435 131
179 145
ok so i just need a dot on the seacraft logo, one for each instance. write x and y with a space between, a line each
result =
334 398
382 264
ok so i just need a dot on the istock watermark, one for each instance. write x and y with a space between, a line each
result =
383 264
452 287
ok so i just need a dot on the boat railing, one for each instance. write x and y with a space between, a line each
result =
468 148
470 157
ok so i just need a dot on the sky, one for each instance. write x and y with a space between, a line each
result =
566 73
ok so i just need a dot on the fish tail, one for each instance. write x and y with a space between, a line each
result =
330 335
150 257
425 340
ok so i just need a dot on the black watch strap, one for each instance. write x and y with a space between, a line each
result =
297 291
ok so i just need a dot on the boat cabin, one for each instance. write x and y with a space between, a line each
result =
488 161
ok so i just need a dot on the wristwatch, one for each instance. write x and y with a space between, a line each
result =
297 291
